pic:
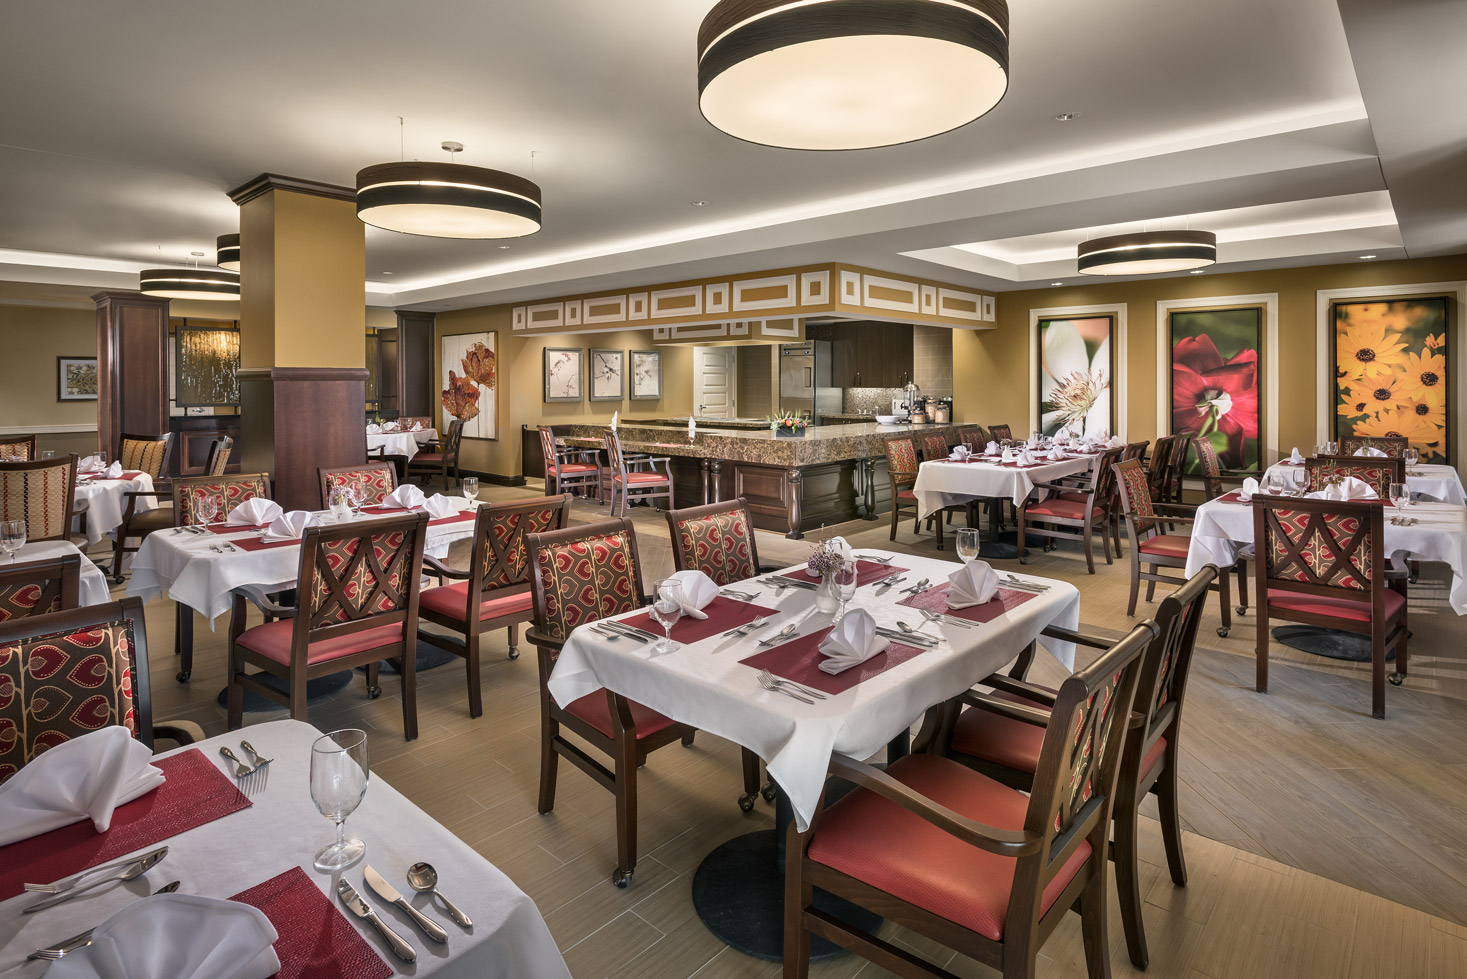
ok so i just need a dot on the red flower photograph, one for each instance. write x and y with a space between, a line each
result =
1215 382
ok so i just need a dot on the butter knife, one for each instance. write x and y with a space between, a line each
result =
360 908
389 894
787 582
628 630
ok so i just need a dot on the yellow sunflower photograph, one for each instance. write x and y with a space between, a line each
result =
1391 371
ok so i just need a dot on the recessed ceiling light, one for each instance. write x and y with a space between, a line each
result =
1196 271
1364 258
1056 283
386 273
1066 116
699 203
504 248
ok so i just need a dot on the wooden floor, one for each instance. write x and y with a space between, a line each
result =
1321 842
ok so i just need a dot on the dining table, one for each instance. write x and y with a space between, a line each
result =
92 588
712 683
106 501
399 443
260 850
1426 481
946 482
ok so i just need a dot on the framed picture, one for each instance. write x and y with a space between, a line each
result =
565 371
1215 382
646 374
1076 374
468 384
1393 371
76 378
608 375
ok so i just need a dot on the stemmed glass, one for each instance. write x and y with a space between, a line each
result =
339 776
12 536
845 582
667 609
470 487
968 544
206 508
356 494
1274 483
340 504
1400 494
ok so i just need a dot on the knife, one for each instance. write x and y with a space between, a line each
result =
631 632
784 581
389 894
360 908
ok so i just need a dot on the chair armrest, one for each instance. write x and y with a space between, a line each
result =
1060 487
1078 638
263 603
1004 842
444 571
1006 708
1019 688
183 732
1166 508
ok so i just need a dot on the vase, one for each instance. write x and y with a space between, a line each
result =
827 594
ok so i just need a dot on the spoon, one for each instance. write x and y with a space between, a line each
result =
909 630
915 588
784 633
424 879
131 872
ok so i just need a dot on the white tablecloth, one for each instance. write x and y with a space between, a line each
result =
93 586
185 566
397 443
705 685
1426 482
105 503
283 830
1440 534
942 484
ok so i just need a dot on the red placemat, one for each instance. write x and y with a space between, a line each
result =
1233 497
460 517
316 941
130 475
866 572
723 614
935 600
799 660
224 528
196 792
258 544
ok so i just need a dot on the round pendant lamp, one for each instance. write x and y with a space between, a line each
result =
850 74
227 252
189 283
447 200
1148 252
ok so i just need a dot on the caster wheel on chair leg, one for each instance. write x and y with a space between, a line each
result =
1397 679
1411 580
1223 631
621 878
746 803
514 652
374 692
183 676
1242 610
767 791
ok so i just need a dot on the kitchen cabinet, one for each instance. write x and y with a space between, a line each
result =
871 355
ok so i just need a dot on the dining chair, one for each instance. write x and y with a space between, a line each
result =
406 422
1148 527
357 593
935 447
901 473
578 575
1159 468
575 471
1004 745
1000 433
40 587
1136 450
636 483
1394 446
1323 563
972 436
147 454
377 481
439 458
962 859
40 492
1321 471
497 578
95 675
1212 471
219 452
17 448
1070 513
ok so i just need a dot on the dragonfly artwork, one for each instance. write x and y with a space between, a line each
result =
608 375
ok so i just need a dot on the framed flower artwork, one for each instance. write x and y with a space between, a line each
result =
646 374
565 371
1215 377
1392 371
76 378
468 384
1076 375
608 375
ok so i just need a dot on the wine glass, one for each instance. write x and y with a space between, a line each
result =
845 582
968 544
667 608
356 494
339 776
1274 484
206 508
470 487
340 504
1412 455
12 536
1400 494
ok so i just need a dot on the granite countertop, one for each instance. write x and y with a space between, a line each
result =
835 443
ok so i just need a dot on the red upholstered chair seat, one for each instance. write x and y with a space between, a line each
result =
878 842
1166 545
452 600
643 478
272 640
428 457
594 710
1341 608
576 467
1014 744
1064 509
906 495
1076 497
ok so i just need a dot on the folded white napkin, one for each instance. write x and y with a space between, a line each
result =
86 777
407 496
614 415
698 590
1063 435
1349 488
1296 457
1250 487
1116 442
290 526
1370 450
991 449
692 429
1033 443
973 584
254 511
1026 458
851 642
842 547
390 426
181 936
439 505
89 464
114 471
417 426
1056 453
959 453
374 429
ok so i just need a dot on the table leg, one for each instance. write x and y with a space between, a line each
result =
794 481
183 640
868 468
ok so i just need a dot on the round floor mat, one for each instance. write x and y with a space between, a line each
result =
1330 643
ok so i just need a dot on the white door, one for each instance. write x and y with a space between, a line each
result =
715 373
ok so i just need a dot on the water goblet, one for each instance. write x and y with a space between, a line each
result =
12 536
470 487
1274 484
1412 455
340 503
845 582
667 609
1400 494
968 544
206 508
339 776
356 493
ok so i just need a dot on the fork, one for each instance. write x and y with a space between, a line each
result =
873 557
67 883
785 633
792 684
245 777
945 619
78 942
742 596
262 764
749 627
766 680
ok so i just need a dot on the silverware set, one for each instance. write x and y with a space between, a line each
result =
80 941
908 636
919 586
1023 584
782 582
742 596
789 688
1403 521
423 879
611 629
64 891
749 627
223 547
946 619
249 778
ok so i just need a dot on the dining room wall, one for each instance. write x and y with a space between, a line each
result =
32 338
996 382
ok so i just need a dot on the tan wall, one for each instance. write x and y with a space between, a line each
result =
32 338
994 382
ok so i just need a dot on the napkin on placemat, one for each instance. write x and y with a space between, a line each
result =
698 590
1296 458
407 496
113 471
975 583
374 429
1250 487
86 777
417 427
90 464
1349 488
439 505
254 512
1026 458
991 449
851 642
178 936
290 526
959 453
1370 450
1116 442
1056 454
390 427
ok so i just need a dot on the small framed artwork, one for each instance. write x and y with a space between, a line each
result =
565 371
76 378
608 375
646 374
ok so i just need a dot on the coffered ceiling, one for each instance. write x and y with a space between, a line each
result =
124 124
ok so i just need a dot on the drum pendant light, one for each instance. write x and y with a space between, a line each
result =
189 283
447 200
850 74
227 252
1148 252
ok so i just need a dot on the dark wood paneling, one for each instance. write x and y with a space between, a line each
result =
530 451
193 435
415 350
870 355
297 420
132 360
390 393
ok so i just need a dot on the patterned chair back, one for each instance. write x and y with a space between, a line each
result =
145 453
581 574
901 457
219 452
934 447
716 539
1160 472
547 451
17 448
39 587
999 433
1320 471
406 422
1321 547
1135 493
1135 450
1167 662
71 673
377 482
227 492
40 492
1210 466
1105 475
972 436
500 558
361 576
1394 446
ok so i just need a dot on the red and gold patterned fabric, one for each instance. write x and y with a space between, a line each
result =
143 455
1322 472
505 560
344 587
228 493
1093 725
1000 432
719 545
17 451
1319 548
901 457
1207 457
934 447
57 687
1392 445
377 482
23 599
972 436
584 580
1135 492
39 497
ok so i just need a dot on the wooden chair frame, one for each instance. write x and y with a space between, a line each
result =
1159 468
327 476
447 448
29 441
1099 494
1394 446
1000 433
219 451
1332 465
59 579
69 461
167 438
901 480
648 490
555 457
161 492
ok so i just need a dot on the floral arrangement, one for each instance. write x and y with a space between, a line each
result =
825 559
790 422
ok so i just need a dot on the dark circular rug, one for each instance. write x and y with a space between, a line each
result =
429 657
1006 547
1330 643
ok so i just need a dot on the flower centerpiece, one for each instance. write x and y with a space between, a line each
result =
827 560
788 426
